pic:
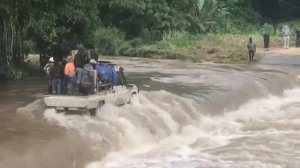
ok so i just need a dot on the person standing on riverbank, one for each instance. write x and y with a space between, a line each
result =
266 36
251 49
286 36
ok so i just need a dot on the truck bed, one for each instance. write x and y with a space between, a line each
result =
74 101
119 96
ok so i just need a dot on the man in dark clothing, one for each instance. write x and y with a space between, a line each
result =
91 54
266 40
47 69
297 38
79 62
87 79
121 78
56 76
63 79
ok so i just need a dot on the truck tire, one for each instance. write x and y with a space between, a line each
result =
93 112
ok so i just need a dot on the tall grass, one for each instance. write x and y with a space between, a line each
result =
113 42
242 40
174 40
109 40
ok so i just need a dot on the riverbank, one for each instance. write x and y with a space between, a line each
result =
228 48
279 52
224 49
29 69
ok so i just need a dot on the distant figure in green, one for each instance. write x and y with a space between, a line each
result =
266 36
251 49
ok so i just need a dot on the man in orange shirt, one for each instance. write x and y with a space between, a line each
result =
70 75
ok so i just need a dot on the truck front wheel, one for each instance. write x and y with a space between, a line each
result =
93 112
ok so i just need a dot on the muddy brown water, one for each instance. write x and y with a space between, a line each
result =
186 115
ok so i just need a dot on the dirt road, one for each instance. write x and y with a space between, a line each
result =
279 52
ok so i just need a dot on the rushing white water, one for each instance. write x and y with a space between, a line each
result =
169 131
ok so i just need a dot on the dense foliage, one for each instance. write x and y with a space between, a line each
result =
53 27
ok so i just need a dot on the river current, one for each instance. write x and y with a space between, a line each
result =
186 115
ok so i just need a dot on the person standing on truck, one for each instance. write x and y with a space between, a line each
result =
79 62
121 78
47 69
87 81
56 76
91 54
70 75
73 53
63 78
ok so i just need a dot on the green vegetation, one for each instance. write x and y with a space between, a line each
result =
148 28
225 48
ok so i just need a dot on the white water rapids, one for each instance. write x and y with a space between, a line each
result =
173 133
186 116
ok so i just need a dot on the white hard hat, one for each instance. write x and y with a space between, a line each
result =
51 59
92 61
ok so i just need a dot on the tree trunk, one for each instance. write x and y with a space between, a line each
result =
11 41
6 41
5 60
3 40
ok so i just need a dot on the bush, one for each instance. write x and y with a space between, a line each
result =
136 42
267 28
178 39
109 40
170 41
174 40
29 47
10 72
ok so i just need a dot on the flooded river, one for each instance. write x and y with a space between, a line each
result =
187 115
